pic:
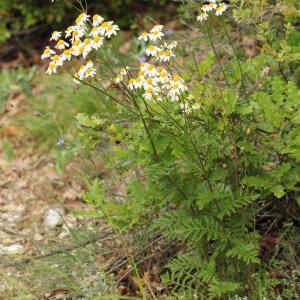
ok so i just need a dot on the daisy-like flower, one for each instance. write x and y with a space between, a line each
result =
149 82
55 35
157 28
69 31
97 20
77 34
81 19
175 91
97 42
206 8
220 9
150 70
47 53
131 84
95 31
166 56
52 68
144 36
154 35
66 55
152 50
151 92
202 17
111 30
57 60
104 27
164 77
87 70
61 45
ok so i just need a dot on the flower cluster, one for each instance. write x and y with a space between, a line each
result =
213 5
155 82
86 35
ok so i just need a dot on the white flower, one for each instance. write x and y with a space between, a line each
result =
166 55
47 52
66 55
86 70
151 92
52 68
176 89
97 42
220 9
57 60
202 17
111 30
81 19
206 8
61 44
69 31
131 84
87 44
104 27
149 82
55 35
144 36
152 50
150 70
154 35
77 34
157 28
97 20
95 31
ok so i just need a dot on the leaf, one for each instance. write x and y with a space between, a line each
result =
278 191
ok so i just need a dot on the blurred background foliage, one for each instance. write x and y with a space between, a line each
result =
22 17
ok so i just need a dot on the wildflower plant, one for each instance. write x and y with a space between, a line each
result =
212 138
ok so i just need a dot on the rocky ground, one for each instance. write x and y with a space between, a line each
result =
35 200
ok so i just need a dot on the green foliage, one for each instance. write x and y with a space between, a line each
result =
201 175
14 82
21 18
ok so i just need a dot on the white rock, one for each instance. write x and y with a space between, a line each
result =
53 217
11 249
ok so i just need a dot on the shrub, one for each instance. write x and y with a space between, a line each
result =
213 141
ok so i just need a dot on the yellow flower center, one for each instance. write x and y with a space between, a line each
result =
175 86
150 67
149 90
96 39
141 73
55 58
104 25
151 48
149 80
76 43
109 27
47 51
52 65
131 80
176 78
81 49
